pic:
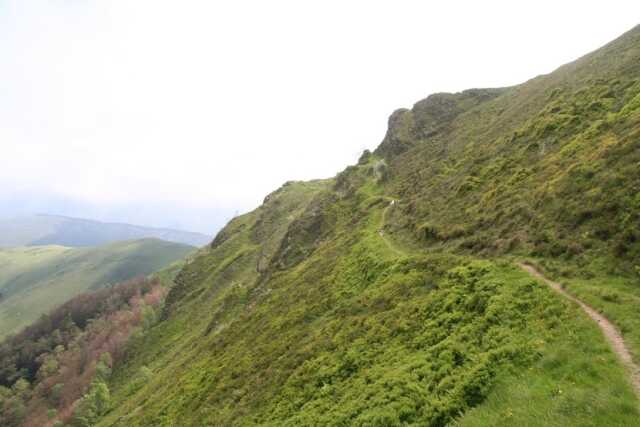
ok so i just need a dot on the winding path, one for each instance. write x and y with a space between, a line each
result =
383 221
610 332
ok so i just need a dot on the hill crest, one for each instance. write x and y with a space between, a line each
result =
46 229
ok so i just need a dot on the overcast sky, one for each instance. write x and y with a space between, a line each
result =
180 113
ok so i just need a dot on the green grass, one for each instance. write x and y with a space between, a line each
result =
576 381
303 313
364 331
34 280
617 296
548 168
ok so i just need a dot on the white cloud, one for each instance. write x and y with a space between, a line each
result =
211 104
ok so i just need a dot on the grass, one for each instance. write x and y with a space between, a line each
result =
34 280
364 331
577 380
615 295
548 168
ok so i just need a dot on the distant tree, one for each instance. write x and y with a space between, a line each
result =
52 413
21 388
13 412
46 369
92 405
55 396
103 368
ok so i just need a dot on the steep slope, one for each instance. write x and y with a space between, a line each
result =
388 295
549 167
35 279
41 230
353 333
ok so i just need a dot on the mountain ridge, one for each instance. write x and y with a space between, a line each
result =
341 328
390 294
46 229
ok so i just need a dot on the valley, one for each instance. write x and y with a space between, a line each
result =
36 279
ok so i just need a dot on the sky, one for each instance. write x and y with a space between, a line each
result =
184 114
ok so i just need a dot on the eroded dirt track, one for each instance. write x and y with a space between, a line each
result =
610 332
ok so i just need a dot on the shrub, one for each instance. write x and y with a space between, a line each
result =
92 405
427 231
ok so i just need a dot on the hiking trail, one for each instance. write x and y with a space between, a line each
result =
383 220
611 333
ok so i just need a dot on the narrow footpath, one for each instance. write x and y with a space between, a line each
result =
610 332
383 220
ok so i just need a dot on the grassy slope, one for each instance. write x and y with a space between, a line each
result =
548 170
603 288
304 313
35 279
548 167
364 331
577 380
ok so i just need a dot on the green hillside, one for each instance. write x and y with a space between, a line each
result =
35 279
391 294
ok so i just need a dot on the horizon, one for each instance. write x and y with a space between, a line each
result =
37 214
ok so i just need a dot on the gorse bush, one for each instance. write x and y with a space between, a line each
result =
423 356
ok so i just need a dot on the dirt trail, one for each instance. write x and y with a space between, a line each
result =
610 332
383 221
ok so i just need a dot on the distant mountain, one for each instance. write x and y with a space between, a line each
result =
39 230
33 280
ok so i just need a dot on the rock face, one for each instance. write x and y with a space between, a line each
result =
428 118
305 233
400 134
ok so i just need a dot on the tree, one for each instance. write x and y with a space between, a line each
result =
22 388
13 409
103 368
92 405
13 412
